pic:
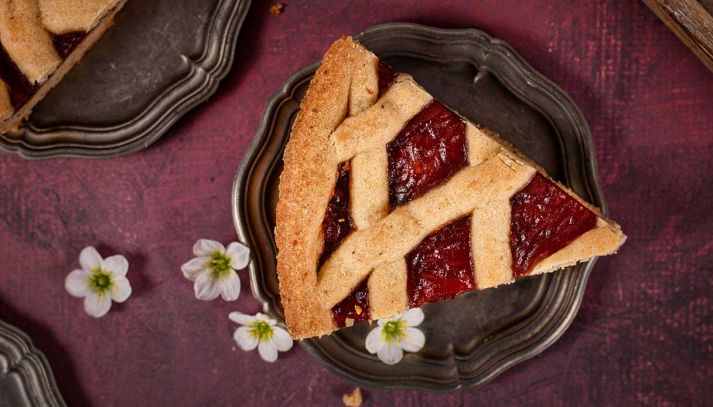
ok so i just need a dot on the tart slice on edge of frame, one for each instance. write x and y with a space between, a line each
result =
40 42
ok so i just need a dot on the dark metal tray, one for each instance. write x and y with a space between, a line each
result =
160 60
472 338
25 376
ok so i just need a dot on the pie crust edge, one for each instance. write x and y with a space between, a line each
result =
308 179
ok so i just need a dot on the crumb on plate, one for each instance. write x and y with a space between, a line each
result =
353 399
277 8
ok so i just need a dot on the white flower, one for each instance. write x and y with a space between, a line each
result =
213 269
99 281
262 332
394 335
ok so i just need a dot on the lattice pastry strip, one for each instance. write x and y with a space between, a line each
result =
66 16
370 194
398 233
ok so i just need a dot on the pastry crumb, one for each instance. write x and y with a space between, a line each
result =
277 8
353 399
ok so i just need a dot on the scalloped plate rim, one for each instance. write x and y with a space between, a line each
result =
32 366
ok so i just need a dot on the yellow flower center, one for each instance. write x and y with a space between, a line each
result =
219 265
394 331
261 330
100 281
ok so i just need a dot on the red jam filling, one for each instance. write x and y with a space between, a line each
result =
66 43
386 77
544 219
337 221
336 226
20 89
441 266
427 151
355 306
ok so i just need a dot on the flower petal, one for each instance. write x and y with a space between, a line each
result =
97 305
230 286
193 268
90 259
117 264
121 290
374 342
413 317
390 354
245 339
206 288
76 283
413 340
206 247
239 255
281 339
267 351
240 318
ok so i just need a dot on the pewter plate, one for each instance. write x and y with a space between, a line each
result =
160 60
476 336
25 376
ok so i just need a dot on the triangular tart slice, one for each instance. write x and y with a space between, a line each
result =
389 200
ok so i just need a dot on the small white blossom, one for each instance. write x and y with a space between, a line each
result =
99 281
214 269
392 336
262 332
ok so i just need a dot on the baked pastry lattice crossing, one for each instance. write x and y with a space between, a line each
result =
390 200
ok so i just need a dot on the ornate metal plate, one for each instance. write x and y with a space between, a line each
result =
156 63
472 338
25 376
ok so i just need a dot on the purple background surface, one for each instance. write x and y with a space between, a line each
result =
644 333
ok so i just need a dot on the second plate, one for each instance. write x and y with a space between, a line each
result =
156 63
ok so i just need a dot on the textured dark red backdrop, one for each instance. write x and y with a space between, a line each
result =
644 333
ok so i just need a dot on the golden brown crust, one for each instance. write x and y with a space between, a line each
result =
64 16
308 180
387 289
364 87
369 187
13 121
340 120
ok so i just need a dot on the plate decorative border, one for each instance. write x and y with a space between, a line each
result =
560 302
18 356
178 98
